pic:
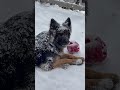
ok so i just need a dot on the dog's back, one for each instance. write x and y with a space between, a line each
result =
44 49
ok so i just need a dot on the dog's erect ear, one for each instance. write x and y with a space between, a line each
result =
67 22
53 27
53 24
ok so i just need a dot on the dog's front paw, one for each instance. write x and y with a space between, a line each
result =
46 67
106 83
79 61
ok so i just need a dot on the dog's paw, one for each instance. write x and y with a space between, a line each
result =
46 67
65 66
79 62
106 83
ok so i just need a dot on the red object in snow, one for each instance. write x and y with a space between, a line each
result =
95 50
73 47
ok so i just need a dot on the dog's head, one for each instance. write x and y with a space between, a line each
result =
61 33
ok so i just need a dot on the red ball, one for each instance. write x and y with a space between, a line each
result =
95 50
73 47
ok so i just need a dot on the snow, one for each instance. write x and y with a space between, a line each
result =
72 78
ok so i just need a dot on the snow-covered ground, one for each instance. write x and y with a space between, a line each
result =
72 78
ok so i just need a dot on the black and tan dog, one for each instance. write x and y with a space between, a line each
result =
49 46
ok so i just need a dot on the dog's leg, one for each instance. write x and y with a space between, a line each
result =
91 74
70 56
60 62
79 60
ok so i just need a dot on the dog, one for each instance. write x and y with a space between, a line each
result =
49 46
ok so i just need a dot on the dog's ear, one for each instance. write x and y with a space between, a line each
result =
53 27
67 22
53 24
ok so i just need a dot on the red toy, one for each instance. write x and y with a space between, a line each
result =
73 47
95 50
